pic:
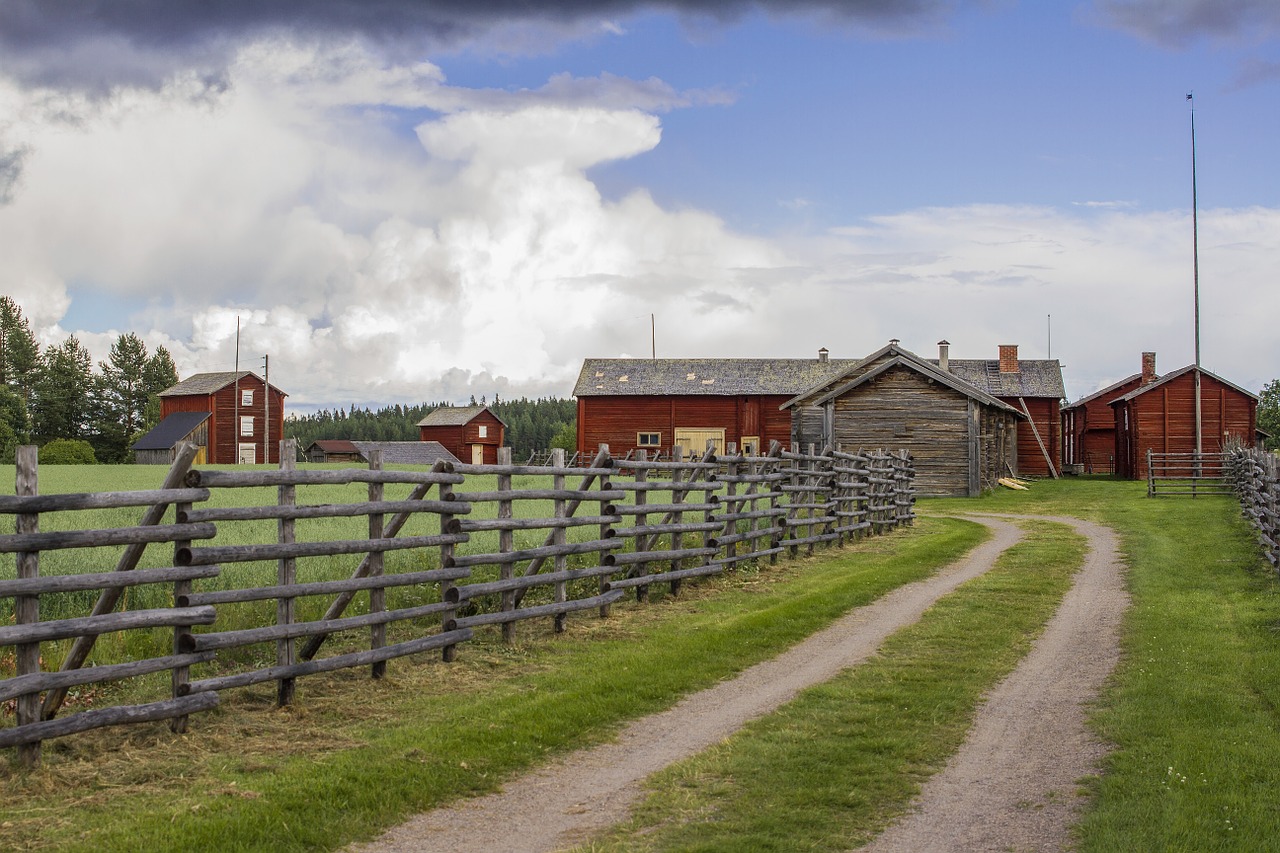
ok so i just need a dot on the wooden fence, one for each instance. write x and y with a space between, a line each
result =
1193 474
1253 474
621 524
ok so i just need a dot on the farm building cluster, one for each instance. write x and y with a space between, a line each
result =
967 422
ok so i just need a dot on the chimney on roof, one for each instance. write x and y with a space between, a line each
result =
1148 368
944 354
893 342
823 353
1008 358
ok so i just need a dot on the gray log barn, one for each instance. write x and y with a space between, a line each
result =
962 439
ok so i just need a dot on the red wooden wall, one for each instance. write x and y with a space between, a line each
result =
617 420
459 440
1047 414
224 431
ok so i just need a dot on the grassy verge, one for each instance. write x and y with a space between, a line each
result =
830 769
355 756
1193 707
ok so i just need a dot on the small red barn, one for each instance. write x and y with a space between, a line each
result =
1161 417
246 417
656 404
471 433
1089 424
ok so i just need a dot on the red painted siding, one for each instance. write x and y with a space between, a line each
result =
617 421
1047 415
224 430
459 440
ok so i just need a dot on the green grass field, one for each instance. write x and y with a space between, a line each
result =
1191 709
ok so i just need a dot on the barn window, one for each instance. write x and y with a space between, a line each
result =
246 397
484 430
648 439
246 425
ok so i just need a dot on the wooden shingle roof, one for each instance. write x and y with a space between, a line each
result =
1035 377
209 383
407 452
456 416
608 377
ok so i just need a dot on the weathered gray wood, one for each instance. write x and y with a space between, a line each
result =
331 664
106 602
336 547
559 536
97 500
38 682
247 636
377 594
601 462
286 574
475 590
61 629
593 470
640 557
342 477
101 717
509 523
300 590
541 495
534 553
266 513
662 485
99 538
103 580
659 529
538 612
636 509
679 574
26 608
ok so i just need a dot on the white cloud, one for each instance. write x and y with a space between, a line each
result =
467 250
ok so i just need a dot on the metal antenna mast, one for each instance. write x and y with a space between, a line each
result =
1195 267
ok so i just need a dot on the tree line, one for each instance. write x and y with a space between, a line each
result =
54 395
532 425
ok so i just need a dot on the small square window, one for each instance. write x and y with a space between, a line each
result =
648 439
484 430
246 426
246 397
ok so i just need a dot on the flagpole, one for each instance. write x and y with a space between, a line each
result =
1195 273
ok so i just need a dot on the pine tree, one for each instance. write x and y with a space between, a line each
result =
63 394
19 352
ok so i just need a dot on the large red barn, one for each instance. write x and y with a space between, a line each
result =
245 417
1161 417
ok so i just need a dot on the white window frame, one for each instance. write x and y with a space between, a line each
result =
484 430
246 425
246 397
657 439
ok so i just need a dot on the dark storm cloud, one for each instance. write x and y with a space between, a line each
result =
96 43
1176 24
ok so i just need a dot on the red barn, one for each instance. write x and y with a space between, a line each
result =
245 417
1089 424
656 404
471 433
1161 417
1033 387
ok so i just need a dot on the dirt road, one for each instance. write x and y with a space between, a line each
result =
565 802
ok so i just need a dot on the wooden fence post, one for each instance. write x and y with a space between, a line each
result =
602 457
377 562
506 544
286 575
641 475
27 607
448 653
180 676
561 561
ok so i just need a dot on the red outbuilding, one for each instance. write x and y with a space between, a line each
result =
1089 424
471 433
245 417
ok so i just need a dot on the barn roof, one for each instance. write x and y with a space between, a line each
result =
456 416
1034 378
894 356
1169 377
407 452
608 377
1112 388
209 383
334 445
171 430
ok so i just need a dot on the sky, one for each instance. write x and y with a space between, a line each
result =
401 201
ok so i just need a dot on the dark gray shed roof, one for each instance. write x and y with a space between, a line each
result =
209 383
1035 377
407 452
456 416
171 430
606 377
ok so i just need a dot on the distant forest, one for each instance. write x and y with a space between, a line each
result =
531 424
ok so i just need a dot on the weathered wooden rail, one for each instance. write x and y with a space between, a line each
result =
1193 474
1252 473
624 524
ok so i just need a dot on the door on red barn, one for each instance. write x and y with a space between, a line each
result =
477 454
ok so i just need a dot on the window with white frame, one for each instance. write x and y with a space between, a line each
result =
484 430
648 439
246 397
246 425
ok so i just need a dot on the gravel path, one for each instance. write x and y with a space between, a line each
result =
566 801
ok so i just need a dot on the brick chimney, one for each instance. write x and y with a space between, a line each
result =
1148 368
1008 358
944 354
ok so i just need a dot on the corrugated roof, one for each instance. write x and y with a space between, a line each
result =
209 383
606 377
407 452
1035 377
171 430
456 416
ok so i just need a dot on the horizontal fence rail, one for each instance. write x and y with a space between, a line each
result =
1191 474
1252 473
263 591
